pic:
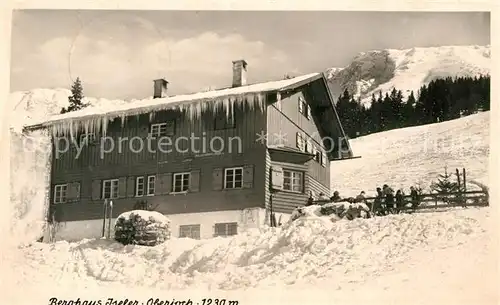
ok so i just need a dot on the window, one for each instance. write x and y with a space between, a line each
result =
87 138
110 189
181 182
224 120
226 229
300 141
60 193
323 159
151 185
163 129
309 146
233 178
301 105
189 231
317 154
304 108
139 186
293 181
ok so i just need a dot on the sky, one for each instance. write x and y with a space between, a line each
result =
118 54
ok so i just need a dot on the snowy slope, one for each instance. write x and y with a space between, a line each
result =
404 157
407 70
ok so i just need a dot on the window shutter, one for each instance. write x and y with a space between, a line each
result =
194 184
323 159
96 190
309 147
122 187
217 179
277 177
74 191
248 176
298 138
309 112
163 184
301 105
130 186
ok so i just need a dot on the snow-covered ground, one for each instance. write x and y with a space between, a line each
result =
416 155
447 257
407 70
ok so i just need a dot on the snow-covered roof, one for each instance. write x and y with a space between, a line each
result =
193 103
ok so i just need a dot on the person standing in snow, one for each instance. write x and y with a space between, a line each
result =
362 204
361 197
335 197
399 201
389 198
376 207
414 197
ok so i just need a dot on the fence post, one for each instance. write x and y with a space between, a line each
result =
105 213
465 185
110 216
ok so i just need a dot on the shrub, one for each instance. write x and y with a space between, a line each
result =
139 227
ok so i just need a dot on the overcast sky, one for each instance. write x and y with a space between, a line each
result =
117 54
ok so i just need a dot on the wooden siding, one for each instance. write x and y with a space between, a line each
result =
286 201
92 166
287 122
284 118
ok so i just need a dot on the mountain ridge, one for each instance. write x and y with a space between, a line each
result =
368 73
376 71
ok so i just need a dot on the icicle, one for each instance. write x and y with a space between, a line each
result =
122 117
104 125
226 105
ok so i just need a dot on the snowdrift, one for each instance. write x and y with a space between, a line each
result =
24 215
407 156
302 252
407 70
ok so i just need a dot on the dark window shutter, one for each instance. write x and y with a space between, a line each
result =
195 181
248 176
96 190
74 191
130 186
122 187
163 184
217 178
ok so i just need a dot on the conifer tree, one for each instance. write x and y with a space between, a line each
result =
445 184
76 97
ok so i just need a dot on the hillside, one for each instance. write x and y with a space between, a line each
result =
382 70
406 156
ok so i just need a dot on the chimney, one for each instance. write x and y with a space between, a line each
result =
239 73
160 88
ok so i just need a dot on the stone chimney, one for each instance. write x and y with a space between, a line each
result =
160 88
239 73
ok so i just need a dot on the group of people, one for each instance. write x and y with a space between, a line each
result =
386 202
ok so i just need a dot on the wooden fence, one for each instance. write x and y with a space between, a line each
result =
435 201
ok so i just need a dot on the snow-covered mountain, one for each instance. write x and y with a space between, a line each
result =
38 104
406 70
369 72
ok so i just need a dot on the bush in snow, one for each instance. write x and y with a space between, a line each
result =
139 227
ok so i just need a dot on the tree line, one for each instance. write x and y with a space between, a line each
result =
441 100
